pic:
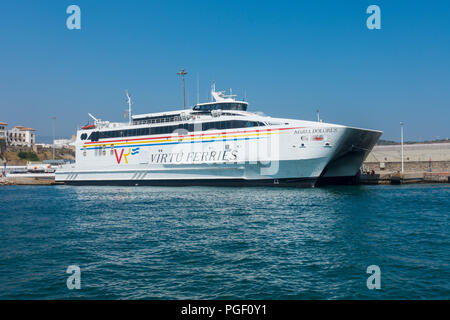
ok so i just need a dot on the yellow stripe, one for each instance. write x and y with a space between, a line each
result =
185 139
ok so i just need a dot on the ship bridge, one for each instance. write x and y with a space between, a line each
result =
221 102
221 105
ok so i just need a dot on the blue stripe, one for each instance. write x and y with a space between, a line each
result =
168 143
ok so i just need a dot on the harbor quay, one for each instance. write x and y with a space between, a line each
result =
31 165
29 179
34 173
422 162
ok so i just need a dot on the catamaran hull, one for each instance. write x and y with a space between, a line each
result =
293 173
345 165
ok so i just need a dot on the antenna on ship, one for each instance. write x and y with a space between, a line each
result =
129 106
93 118
213 89
182 73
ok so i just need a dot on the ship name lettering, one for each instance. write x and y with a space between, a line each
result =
193 157
315 130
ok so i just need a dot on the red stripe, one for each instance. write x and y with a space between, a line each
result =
193 135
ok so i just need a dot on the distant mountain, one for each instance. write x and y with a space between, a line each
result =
382 142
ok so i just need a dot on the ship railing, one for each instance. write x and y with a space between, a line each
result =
161 120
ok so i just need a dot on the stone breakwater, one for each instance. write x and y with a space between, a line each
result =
29 179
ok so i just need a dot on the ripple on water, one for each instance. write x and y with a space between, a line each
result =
225 243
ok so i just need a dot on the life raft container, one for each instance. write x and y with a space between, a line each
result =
89 126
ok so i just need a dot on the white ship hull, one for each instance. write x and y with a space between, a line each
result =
300 173
216 143
280 160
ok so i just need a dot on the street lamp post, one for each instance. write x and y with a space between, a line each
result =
53 144
182 73
401 138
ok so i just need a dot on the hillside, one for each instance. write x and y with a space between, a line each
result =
15 156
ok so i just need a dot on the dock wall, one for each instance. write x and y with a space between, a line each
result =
409 166
423 163
433 157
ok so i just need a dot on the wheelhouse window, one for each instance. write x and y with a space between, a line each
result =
222 106
158 119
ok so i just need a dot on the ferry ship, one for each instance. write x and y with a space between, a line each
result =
215 143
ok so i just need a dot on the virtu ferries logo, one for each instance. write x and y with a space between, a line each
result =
131 151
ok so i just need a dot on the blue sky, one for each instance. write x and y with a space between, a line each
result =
290 57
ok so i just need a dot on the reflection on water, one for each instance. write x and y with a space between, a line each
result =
221 243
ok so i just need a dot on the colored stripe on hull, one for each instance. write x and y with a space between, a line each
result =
183 139
203 134
171 143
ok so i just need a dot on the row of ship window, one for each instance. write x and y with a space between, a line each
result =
190 127
222 106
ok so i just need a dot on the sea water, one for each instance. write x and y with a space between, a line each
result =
225 243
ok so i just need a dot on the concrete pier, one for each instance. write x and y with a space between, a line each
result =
423 163
407 178
432 157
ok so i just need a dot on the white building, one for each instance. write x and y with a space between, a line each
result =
3 131
63 143
21 136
